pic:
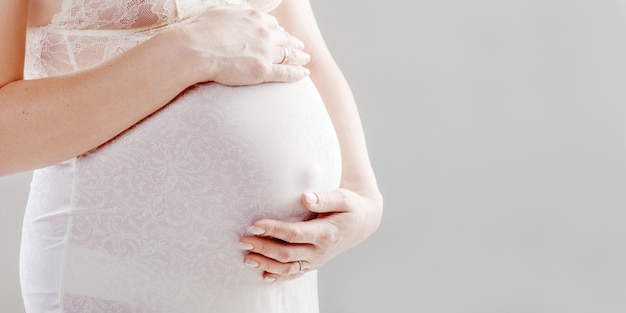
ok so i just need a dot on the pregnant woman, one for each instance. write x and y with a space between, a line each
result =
186 160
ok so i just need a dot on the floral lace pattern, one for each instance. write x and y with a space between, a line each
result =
87 32
149 222
96 14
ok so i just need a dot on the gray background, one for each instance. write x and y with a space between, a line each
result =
498 133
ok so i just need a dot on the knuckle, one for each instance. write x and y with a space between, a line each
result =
265 69
263 32
270 229
262 249
294 235
265 267
289 269
254 13
329 237
261 70
284 256
289 76
267 50
284 74
345 201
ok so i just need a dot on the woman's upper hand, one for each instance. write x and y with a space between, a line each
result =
237 45
286 250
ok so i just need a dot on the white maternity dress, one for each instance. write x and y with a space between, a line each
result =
149 222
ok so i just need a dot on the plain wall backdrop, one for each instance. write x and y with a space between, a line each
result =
498 133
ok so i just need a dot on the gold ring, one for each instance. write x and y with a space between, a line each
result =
285 59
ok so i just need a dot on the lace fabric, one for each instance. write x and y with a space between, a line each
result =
87 32
150 221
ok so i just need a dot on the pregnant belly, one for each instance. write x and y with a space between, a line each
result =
157 212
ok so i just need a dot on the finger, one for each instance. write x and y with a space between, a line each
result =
269 277
282 54
272 266
338 200
272 22
287 40
289 56
317 232
282 73
280 251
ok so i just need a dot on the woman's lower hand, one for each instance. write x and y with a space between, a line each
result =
237 45
286 250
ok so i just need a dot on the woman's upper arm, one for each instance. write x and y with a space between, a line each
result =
13 21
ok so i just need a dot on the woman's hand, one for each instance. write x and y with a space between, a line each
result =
286 251
237 45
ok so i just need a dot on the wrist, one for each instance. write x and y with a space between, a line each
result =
183 57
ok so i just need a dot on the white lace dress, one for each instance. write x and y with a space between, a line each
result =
150 221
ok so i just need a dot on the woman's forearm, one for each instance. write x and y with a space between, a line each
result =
53 119
49 120
345 216
357 175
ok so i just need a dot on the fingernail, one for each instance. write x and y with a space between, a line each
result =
307 72
245 246
252 263
310 198
269 279
307 57
300 45
256 230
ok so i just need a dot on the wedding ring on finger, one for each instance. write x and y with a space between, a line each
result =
300 269
286 55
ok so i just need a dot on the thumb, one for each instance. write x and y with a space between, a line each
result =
326 202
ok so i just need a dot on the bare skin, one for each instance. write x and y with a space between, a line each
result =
346 216
45 121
